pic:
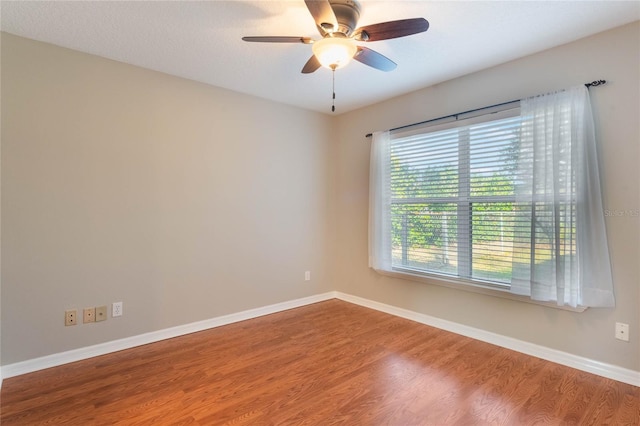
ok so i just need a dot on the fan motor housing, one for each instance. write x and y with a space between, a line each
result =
347 14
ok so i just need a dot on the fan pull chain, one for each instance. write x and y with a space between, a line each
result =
333 87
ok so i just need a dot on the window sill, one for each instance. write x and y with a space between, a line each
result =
472 287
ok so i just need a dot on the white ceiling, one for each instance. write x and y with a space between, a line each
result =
201 40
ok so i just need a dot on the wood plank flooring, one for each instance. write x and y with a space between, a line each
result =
322 364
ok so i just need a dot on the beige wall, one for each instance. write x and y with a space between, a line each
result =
612 55
184 201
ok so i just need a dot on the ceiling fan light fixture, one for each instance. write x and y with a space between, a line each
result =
334 52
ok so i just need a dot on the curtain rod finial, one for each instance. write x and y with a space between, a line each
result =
596 83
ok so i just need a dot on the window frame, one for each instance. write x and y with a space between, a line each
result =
463 200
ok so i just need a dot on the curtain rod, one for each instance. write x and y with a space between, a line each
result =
368 135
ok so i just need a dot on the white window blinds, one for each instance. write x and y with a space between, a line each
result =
452 198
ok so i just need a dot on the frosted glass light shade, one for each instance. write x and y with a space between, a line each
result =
333 52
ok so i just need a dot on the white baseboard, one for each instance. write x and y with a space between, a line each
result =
585 364
24 367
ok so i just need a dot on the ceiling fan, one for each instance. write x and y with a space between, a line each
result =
337 21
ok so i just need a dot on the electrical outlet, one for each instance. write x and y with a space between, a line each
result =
70 317
622 331
89 315
116 309
101 313
307 275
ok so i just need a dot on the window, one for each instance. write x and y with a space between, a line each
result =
509 199
453 199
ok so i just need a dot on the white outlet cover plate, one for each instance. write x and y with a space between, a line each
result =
622 331
116 309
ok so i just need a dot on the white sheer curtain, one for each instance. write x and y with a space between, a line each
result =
560 250
380 203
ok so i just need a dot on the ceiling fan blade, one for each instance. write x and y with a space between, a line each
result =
391 29
278 39
323 15
311 65
374 59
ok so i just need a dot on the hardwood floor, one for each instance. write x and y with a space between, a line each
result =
327 363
